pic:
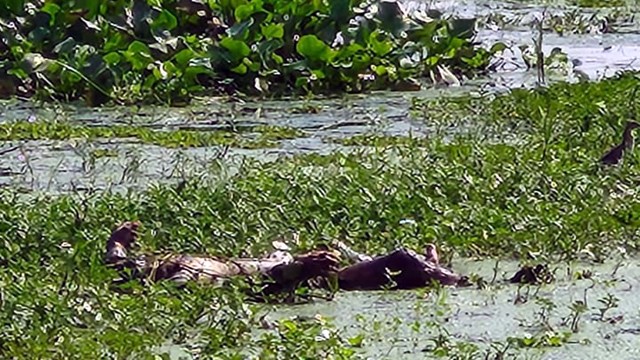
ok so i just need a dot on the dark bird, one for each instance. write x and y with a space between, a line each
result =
613 156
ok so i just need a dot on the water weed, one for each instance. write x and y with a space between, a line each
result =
168 51
510 176
267 136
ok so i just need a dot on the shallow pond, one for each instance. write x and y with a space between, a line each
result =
395 325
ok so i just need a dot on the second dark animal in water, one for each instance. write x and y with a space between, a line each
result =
614 156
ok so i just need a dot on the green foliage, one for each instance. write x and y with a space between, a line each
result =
167 51
24 130
598 3
529 186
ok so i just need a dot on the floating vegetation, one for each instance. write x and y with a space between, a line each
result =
513 176
566 21
574 117
267 136
381 141
599 3
168 51
101 153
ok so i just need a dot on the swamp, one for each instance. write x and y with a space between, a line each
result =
227 127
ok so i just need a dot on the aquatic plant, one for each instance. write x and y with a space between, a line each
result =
598 3
267 136
523 183
563 21
608 302
167 51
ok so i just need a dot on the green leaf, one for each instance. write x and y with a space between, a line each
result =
241 29
159 72
198 66
149 82
139 55
253 66
92 6
277 58
313 48
240 69
497 47
318 74
300 65
349 50
432 60
379 47
169 67
361 61
65 46
244 11
237 48
51 9
165 21
380 70
115 42
112 58
340 10
302 81
269 47
40 34
184 56
15 6
18 72
356 341
462 28
272 31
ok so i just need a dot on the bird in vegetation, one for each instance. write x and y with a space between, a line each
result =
614 156
431 254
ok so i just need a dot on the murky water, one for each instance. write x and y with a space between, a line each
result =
396 324
485 316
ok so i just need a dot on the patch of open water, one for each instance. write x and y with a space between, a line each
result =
481 317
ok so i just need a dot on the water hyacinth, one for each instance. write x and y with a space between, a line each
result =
169 51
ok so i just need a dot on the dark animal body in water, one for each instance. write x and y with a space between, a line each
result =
282 272
400 269
615 155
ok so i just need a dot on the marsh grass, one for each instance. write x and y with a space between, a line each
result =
469 193
265 135
381 140
599 3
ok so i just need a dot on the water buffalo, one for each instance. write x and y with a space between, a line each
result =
282 272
